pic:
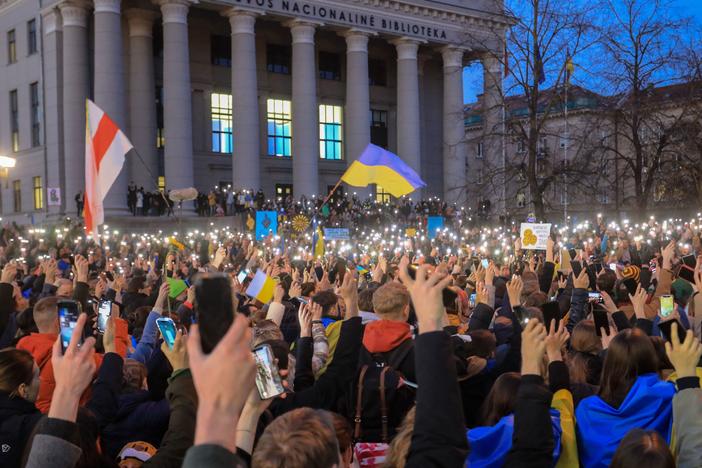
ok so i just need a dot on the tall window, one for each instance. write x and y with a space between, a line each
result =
279 128
221 48
34 105
31 36
278 58
329 66
160 137
221 110
38 193
377 73
14 121
381 196
330 131
479 150
379 128
17 195
11 46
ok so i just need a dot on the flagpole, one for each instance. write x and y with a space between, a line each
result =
565 156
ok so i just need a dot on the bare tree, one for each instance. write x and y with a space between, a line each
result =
545 33
641 56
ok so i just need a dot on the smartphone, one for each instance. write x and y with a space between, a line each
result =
168 330
630 285
613 267
552 312
215 312
104 312
302 300
666 326
598 268
577 267
689 260
595 297
471 300
268 379
601 321
242 275
68 312
572 254
485 263
667 305
522 315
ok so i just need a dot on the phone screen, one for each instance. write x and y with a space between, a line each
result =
667 305
168 330
595 297
601 321
613 267
68 313
268 379
302 300
522 315
485 262
104 312
472 300
242 276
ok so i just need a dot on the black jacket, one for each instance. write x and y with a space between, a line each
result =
439 437
17 420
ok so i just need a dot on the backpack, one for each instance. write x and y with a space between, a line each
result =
379 400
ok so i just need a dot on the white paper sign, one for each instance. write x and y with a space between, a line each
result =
534 236
53 196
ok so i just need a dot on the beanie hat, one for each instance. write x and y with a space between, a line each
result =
141 451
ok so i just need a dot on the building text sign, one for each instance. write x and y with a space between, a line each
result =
349 17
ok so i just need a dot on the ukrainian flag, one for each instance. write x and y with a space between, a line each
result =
378 166
318 241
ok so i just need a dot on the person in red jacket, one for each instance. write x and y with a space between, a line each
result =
40 345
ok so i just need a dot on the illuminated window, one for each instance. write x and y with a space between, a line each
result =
14 121
283 190
161 183
38 193
279 128
17 195
11 46
221 110
330 131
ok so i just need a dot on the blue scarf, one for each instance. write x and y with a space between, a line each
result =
489 445
600 427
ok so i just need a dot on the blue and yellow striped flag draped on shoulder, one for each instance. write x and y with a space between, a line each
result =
378 166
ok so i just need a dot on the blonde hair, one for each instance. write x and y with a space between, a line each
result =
302 438
396 456
390 299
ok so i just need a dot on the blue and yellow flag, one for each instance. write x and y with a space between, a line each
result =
378 166
318 240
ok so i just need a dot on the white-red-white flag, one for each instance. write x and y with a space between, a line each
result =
105 148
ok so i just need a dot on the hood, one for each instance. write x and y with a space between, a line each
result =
15 406
129 402
38 344
382 336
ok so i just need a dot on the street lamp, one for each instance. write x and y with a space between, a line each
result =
6 163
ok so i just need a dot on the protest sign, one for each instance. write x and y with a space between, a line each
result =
433 224
266 224
336 234
534 235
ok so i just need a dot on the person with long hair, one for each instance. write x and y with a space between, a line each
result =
19 386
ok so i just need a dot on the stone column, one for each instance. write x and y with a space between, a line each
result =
246 131
109 87
142 98
177 95
75 92
492 129
408 128
53 99
305 113
454 148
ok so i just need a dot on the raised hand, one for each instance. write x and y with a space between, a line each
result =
533 347
178 355
304 316
9 273
684 356
638 300
162 298
426 293
582 281
556 340
514 291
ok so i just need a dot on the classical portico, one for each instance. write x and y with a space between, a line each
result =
291 121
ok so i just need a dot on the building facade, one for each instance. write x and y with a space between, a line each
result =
254 94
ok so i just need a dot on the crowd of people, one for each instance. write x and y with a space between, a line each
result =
395 348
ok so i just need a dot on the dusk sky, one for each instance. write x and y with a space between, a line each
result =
472 76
